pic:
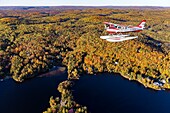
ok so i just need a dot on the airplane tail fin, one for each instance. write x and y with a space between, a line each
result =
142 24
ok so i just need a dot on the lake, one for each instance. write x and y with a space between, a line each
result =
109 93
101 93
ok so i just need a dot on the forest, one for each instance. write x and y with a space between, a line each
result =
33 41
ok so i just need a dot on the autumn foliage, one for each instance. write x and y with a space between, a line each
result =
32 42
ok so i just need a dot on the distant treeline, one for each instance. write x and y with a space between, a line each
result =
77 7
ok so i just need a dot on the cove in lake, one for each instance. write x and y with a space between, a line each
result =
31 96
108 93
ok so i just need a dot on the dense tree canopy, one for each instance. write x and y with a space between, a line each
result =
32 42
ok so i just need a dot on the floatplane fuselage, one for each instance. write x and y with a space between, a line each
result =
115 31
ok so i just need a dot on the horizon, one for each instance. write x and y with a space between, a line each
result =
83 6
162 3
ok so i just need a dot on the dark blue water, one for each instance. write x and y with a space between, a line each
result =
31 96
108 93
102 93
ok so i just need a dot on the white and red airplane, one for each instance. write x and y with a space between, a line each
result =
115 31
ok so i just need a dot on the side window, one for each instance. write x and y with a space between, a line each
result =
107 25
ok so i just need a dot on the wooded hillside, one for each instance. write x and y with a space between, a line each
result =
33 41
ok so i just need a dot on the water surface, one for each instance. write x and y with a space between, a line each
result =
108 93
101 93
31 96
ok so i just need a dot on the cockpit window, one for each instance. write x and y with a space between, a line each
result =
119 27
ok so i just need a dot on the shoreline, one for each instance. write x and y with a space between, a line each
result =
146 82
148 85
61 70
54 71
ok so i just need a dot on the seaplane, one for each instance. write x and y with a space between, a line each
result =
117 31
